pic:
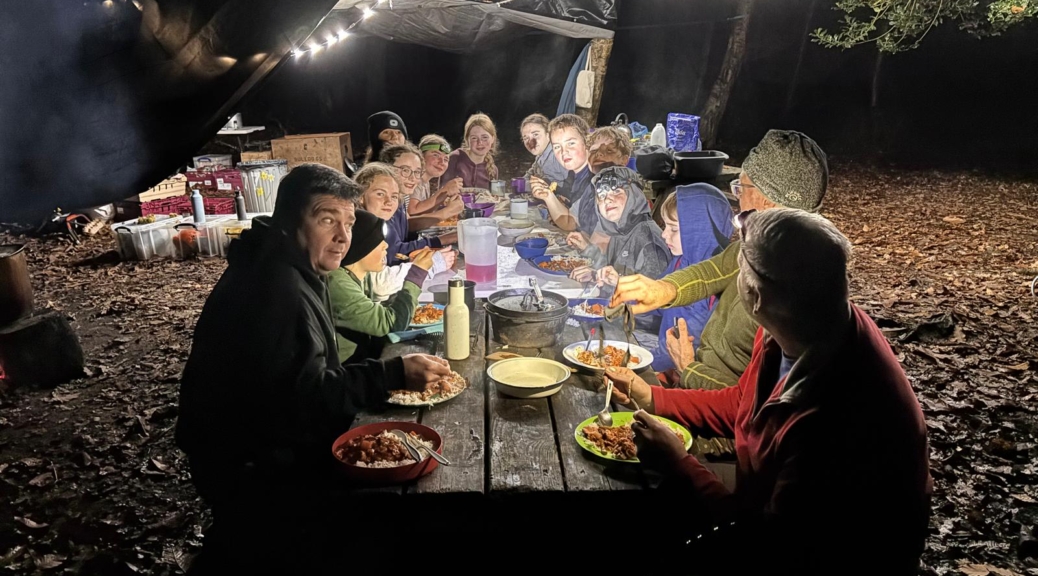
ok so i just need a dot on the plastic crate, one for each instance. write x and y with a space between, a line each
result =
192 240
182 205
146 241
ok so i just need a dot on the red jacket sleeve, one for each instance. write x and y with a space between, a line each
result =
704 412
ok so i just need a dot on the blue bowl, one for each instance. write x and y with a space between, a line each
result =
531 247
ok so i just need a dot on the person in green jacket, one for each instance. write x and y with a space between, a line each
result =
785 169
360 321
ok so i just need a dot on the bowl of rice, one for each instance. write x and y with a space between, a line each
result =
371 454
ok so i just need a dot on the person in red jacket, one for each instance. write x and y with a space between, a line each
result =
833 466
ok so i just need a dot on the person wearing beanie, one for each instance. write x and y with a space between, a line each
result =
360 322
384 128
786 169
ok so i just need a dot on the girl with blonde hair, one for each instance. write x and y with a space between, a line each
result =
474 162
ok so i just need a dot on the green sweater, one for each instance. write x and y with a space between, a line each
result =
726 344
360 322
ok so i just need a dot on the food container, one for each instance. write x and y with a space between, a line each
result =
531 247
147 241
486 207
15 287
703 165
497 187
528 377
398 474
513 228
260 182
513 326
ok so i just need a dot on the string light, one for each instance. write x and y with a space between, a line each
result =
314 47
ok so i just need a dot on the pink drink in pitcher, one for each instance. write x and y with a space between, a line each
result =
481 274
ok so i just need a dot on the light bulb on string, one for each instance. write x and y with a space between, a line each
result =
314 48
368 12
332 39
343 35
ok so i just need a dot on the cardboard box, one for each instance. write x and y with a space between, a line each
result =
254 156
126 210
214 161
332 149
175 186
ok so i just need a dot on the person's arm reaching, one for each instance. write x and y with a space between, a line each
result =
682 287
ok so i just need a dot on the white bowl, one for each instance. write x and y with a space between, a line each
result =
645 357
514 228
528 377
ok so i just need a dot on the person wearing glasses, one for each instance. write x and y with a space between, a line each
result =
434 192
833 463
409 164
474 162
380 195
361 323
635 240
534 132
785 169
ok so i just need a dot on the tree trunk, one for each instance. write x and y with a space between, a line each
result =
800 58
875 114
601 48
722 89
706 65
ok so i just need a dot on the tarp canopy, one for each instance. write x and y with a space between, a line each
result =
471 25
104 98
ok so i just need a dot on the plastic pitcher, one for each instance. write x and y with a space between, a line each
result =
477 239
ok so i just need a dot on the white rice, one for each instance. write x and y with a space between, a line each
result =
388 464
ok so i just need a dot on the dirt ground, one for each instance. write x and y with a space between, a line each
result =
91 482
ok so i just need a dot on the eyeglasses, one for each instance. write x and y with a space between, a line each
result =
408 173
738 188
740 222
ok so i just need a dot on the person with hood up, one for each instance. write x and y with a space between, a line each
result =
698 226
263 393
384 128
635 240
360 321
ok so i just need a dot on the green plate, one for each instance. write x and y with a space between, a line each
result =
619 419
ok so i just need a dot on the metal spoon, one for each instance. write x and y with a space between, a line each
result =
604 417
435 455
415 454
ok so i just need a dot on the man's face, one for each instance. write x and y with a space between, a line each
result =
751 197
326 232
535 139
570 148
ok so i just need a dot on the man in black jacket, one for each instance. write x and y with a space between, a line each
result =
263 394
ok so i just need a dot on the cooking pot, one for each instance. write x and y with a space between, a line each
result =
15 288
513 326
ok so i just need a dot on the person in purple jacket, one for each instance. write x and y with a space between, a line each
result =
698 221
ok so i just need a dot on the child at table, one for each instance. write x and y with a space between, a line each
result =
635 240
698 226
360 322
474 162
381 196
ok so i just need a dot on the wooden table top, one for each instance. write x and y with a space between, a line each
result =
500 445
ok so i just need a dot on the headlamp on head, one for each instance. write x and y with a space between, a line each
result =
436 147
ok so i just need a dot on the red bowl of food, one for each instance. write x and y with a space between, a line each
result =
369 454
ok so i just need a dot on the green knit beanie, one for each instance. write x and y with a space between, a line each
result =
789 169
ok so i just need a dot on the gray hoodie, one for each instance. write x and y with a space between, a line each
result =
635 242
